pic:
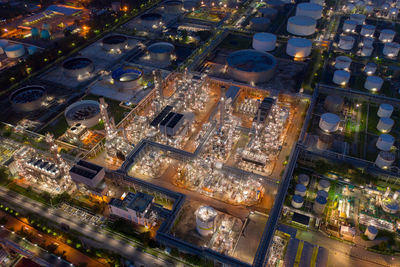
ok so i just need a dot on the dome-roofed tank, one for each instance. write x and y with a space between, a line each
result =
319 204
373 83
341 77
367 50
304 179
359 18
385 159
371 232
15 51
300 190
342 62
368 30
370 68
346 42
298 47
28 98
334 103
329 122
205 220
385 142
385 125
387 35
368 41
297 201
385 110
324 185
349 25
301 25
264 41
391 49
309 10
322 193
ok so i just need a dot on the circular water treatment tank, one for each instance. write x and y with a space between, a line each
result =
384 159
369 41
298 47
367 50
346 42
349 25
260 24
341 77
385 142
309 10
359 18
329 122
371 232
78 67
300 190
297 201
127 79
267 12
387 35
251 66
85 112
370 68
161 51
115 42
391 49
322 193
342 62
173 6
385 125
385 110
319 204
304 179
149 20
264 41
367 30
324 185
205 220
28 98
301 25
373 83
15 51
333 103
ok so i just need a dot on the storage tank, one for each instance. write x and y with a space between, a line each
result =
78 67
297 201
277 4
322 193
304 179
85 112
325 140
341 77
334 103
260 24
370 68
346 42
367 30
28 98
396 195
161 51
3 45
385 125
205 220
393 12
114 43
367 50
127 79
319 205
15 51
173 6
342 62
329 122
301 25
359 18
349 25
385 142
268 12
150 20
298 47
35 32
264 41
309 10
371 232
300 190
391 206
386 35
324 185
385 110
45 35
32 50
391 49
373 83
46 26
368 41
384 159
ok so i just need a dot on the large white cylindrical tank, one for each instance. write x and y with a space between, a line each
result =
359 18
127 79
349 25
342 62
114 43
367 50
161 51
264 41
324 185
298 47
373 83
385 125
341 77
85 112
333 103
385 142
150 20
385 110
304 179
346 42
370 68
260 24
28 98
329 122
301 25
371 232
78 67
319 204
368 41
309 10
267 12
205 220
391 49
15 51
384 159
387 35
297 201
322 193
367 30
300 190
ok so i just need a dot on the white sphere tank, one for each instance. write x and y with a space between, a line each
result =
329 122
309 10
373 83
368 41
385 125
385 110
304 179
319 204
205 220
384 159
371 232
359 18
300 190
264 41
301 25
297 201
387 35
298 47
367 50
15 51
346 42
370 68
385 142
324 185
367 30
341 77
391 49
342 62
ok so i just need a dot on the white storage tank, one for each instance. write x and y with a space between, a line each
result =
373 83
385 110
161 51
342 62
260 24
264 41
301 25
319 205
205 220
15 51
368 30
385 142
309 10
341 77
368 41
300 190
391 49
359 18
297 201
346 42
370 68
304 179
349 25
267 12
385 125
324 185
387 35
298 47
384 159
333 103
322 193
367 50
371 232
329 122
